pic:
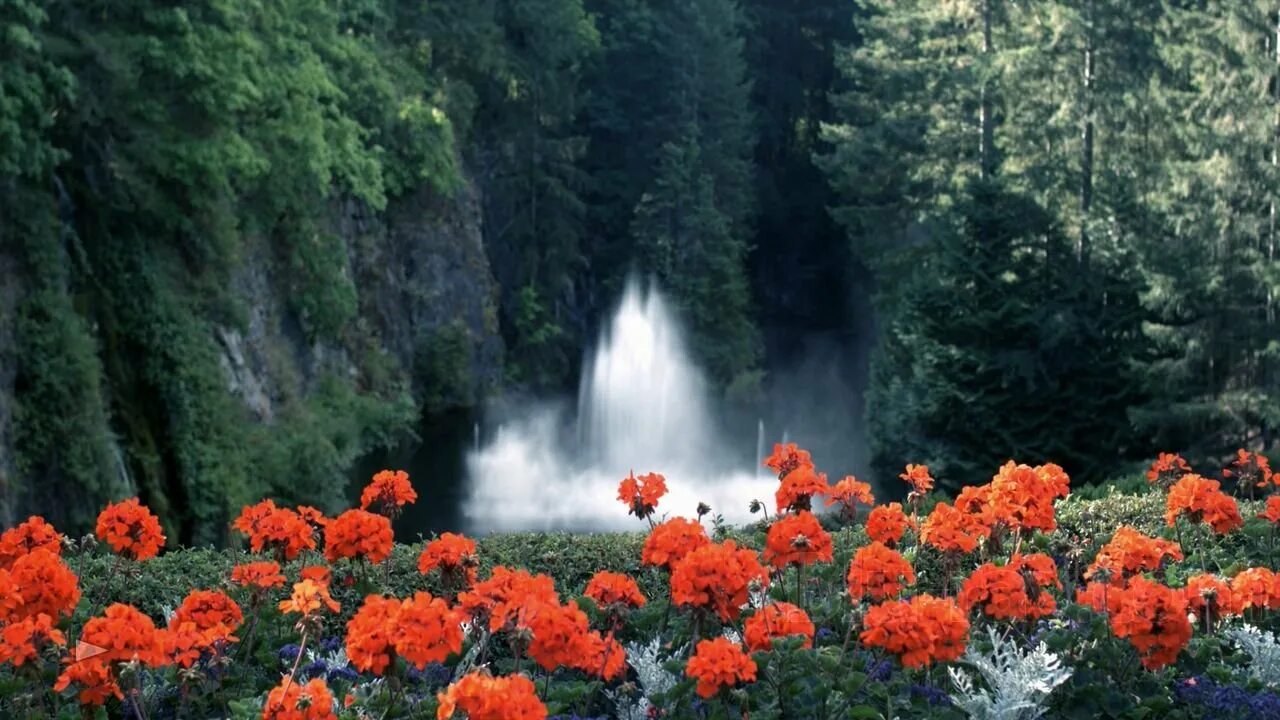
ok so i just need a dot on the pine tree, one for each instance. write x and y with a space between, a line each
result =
671 147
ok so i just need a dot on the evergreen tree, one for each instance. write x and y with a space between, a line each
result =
672 137
996 351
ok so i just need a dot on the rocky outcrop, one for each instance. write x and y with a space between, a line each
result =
422 277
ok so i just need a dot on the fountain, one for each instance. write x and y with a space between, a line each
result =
643 405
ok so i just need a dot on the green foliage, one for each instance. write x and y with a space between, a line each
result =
442 368
991 346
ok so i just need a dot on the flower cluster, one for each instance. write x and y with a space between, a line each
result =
421 629
1252 469
777 620
1005 592
609 588
1167 469
716 578
388 492
797 540
641 494
479 696
670 541
1202 500
888 523
275 530
920 631
1153 618
358 534
130 529
718 664
798 488
877 573
453 555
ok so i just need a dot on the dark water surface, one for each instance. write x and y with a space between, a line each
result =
436 464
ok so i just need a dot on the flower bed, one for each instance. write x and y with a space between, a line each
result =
1014 600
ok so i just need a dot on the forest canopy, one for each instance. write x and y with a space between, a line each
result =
1063 213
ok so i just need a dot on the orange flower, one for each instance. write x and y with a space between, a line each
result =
32 534
314 517
918 477
292 700
1272 512
389 491
125 635
602 657
1166 470
608 588
1130 553
95 679
887 523
641 494
797 540
786 458
670 541
1200 499
716 578
1211 597
358 533
1256 588
278 530
482 697
556 632
371 633
718 664
452 554
497 597
798 488
428 630
876 573
1005 593
975 500
318 574
257 575
205 619
1037 568
42 583
307 598
776 620
1154 620
920 631
24 640
950 530
1022 496
1251 468
130 529
848 492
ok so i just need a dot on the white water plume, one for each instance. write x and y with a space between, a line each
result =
643 406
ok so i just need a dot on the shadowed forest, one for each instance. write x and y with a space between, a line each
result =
244 244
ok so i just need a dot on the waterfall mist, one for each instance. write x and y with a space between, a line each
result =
643 406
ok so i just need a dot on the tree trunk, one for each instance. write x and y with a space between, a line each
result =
1086 146
986 153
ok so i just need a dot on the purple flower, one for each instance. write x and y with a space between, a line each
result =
931 694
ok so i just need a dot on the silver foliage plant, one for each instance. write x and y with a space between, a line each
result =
1263 649
652 678
1019 681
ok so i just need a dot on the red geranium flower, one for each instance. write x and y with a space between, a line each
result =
389 491
716 578
920 631
480 696
876 572
641 494
358 533
718 664
777 620
130 529
609 588
32 534
670 541
797 540
887 524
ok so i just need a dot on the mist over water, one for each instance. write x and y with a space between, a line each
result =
643 406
